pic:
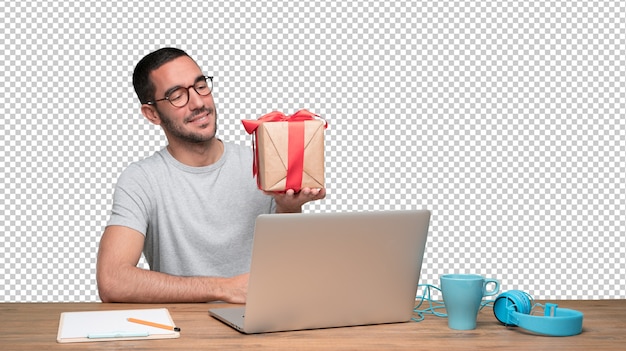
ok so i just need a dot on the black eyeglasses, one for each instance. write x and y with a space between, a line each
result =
179 96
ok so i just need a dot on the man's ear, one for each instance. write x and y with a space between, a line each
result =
151 114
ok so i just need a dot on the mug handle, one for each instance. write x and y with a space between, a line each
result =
496 287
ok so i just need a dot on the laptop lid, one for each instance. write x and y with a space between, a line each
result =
322 270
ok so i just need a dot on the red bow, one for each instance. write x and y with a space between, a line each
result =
277 116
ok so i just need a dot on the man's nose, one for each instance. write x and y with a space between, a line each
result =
195 100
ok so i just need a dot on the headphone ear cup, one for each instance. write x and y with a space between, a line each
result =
508 302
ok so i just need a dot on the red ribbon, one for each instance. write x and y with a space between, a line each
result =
295 152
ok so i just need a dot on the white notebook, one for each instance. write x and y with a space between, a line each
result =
92 326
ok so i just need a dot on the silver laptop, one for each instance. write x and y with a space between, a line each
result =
323 270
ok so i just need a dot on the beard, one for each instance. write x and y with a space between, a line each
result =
177 130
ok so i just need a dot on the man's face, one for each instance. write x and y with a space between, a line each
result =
197 120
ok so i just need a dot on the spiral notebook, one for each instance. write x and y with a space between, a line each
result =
94 326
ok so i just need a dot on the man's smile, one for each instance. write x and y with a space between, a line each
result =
199 118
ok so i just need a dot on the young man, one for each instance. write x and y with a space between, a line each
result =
191 206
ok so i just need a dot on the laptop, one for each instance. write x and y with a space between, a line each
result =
325 270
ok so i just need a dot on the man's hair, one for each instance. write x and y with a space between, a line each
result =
144 88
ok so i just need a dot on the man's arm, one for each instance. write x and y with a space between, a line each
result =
120 280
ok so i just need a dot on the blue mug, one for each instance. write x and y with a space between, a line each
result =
462 295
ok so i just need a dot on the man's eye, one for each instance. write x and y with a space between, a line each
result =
177 95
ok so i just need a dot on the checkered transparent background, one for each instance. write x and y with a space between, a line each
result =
506 119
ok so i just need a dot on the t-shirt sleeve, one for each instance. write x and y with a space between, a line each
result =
131 202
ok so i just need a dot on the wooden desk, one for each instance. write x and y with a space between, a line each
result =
33 326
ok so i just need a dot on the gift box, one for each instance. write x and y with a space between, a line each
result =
288 150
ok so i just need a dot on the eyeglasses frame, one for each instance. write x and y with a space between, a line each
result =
167 97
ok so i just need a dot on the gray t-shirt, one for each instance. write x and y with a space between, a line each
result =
198 221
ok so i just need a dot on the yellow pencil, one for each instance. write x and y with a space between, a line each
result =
152 324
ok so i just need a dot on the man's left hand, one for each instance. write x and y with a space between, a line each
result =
291 201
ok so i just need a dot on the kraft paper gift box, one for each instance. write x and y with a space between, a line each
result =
289 150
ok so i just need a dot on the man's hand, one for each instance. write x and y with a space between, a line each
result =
291 202
236 290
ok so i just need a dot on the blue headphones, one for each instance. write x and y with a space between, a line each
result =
512 308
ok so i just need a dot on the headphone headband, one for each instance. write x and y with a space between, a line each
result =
513 308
